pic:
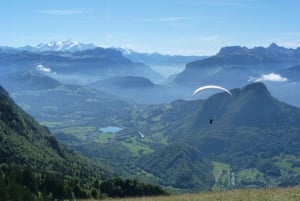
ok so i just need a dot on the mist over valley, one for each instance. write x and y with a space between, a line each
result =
136 113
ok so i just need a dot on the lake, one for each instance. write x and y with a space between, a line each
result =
110 129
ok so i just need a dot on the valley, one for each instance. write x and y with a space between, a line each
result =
143 129
150 100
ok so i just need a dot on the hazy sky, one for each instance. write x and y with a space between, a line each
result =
186 27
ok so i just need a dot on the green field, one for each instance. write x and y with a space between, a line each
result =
221 172
80 132
281 194
136 147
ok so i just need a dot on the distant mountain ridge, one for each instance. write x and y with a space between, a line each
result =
69 46
165 64
158 58
273 53
63 46
237 66
258 58
98 63
161 63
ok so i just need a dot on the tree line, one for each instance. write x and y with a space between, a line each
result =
24 184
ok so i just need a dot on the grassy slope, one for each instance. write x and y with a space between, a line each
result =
282 194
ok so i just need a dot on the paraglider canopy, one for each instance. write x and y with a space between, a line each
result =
198 90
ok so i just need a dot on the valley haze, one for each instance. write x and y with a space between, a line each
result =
76 91
96 98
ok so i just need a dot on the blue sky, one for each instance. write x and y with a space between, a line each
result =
186 27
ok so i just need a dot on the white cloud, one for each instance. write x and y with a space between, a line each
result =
272 77
43 68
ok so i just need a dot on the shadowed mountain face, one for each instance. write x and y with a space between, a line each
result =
250 106
250 122
254 106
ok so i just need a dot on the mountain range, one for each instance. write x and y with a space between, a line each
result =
63 46
80 66
166 65
74 46
231 67
211 140
238 66
250 61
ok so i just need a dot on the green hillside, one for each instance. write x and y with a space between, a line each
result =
181 166
29 152
254 134
23 141
35 166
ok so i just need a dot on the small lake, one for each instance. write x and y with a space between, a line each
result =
110 129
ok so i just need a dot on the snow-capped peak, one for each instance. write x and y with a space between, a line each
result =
124 50
68 45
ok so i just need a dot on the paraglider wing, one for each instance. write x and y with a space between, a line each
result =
198 90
